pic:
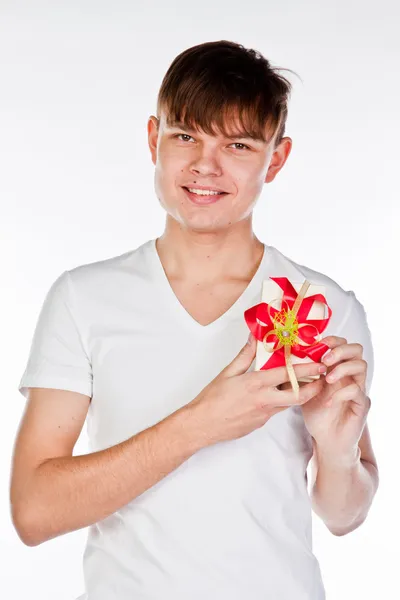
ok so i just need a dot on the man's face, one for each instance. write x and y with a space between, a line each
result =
186 159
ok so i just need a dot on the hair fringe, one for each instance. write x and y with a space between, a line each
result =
212 85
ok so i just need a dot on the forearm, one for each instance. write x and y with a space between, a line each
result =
343 490
71 492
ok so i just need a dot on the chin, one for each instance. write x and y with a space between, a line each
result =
206 225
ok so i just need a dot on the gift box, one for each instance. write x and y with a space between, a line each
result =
288 325
272 295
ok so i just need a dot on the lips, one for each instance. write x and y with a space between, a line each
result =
201 200
210 189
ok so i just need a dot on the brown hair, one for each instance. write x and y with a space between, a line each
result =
214 80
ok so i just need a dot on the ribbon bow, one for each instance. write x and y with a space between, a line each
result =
290 330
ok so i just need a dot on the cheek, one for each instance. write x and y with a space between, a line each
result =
165 171
171 168
249 176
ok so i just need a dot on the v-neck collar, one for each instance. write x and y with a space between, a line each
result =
240 305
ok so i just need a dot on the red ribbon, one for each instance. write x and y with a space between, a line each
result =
314 350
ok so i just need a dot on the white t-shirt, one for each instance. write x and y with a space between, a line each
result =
234 520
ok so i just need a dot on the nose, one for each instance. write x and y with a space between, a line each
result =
206 165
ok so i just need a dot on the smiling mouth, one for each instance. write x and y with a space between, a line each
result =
203 199
205 195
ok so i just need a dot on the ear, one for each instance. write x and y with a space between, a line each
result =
279 157
152 133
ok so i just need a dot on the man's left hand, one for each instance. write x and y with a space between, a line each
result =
336 416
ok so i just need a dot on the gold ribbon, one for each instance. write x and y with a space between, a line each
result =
286 330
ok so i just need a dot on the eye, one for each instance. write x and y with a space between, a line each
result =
178 135
239 144
184 134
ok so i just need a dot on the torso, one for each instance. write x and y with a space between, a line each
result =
206 525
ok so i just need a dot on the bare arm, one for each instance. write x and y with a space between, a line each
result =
53 492
343 487
60 493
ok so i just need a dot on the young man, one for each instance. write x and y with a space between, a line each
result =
195 486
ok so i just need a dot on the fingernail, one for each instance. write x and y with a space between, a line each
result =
250 338
322 369
328 357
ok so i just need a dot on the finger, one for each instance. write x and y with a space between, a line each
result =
354 368
352 393
333 341
278 375
306 392
343 352
287 385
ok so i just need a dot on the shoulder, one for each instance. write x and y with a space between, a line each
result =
343 302
95 277
89 289
295 269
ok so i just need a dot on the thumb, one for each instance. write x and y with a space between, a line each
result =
243 360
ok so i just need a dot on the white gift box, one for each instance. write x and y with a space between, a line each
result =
272 293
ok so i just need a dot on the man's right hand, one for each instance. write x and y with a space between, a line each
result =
238 401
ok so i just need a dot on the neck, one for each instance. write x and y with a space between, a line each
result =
208 258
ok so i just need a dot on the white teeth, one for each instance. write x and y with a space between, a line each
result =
203 192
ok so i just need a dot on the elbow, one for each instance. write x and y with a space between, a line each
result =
339 532
25 527
28 541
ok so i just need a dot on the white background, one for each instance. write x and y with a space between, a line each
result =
78 83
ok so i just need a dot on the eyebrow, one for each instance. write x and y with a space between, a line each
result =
233 136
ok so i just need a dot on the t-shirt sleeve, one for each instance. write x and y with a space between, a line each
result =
356 330
58 358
